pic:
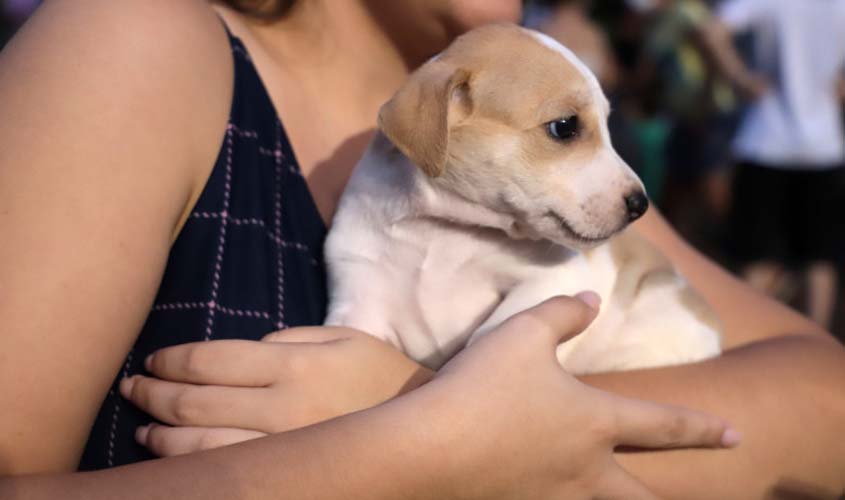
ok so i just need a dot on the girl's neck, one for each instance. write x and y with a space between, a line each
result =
328 66
341 52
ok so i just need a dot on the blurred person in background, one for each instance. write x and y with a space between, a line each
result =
667 90
787 196
697 107
165 188
569 23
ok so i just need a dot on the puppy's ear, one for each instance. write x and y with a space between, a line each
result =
418 117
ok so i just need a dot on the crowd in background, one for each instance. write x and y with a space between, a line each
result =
696 87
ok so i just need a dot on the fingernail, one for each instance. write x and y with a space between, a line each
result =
141 434
731 438
590 298
148 362
126 386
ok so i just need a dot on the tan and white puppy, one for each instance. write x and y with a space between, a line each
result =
492 186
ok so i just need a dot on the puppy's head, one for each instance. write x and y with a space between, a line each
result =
509 119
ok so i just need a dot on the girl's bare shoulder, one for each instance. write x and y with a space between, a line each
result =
113 114
172 54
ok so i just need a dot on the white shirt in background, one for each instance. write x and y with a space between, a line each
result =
799 45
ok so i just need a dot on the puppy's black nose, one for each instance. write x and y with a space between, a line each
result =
637 204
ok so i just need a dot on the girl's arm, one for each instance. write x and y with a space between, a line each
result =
779 381
782 391
110 112
522 429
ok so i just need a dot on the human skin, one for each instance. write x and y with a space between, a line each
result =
144 156
779 381
436 441
716 41
771 384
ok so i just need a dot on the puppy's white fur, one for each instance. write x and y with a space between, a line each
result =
445 232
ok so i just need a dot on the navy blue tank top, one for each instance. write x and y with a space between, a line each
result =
247 262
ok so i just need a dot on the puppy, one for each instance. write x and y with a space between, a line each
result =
491 186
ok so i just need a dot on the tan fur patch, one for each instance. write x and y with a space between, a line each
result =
642 265
638 262
417 119
514 86
517 85
696 304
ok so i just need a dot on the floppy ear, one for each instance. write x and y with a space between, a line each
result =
417 118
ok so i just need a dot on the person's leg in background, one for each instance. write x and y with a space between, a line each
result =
839 253
698 194
822 285
766 276
718 183
816 233
757 226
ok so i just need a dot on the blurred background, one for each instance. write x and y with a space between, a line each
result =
695 85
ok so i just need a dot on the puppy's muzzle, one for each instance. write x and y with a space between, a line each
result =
637 204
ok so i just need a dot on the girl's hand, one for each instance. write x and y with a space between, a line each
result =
519 427
226 391
515 417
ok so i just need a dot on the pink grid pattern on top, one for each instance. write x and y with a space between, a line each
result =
226 219
222 236
274 233
278 156
116 413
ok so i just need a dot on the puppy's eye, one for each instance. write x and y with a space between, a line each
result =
564 129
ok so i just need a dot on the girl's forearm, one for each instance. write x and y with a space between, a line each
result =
367 455
785 396
747 314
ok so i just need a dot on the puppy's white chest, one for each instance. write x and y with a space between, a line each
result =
426 291
430 288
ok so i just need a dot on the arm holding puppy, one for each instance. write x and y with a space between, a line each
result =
779 371
779 381
435 441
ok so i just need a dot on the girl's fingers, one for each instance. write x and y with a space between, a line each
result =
313 334
242 363
617 484
198 405
166 441
651 425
